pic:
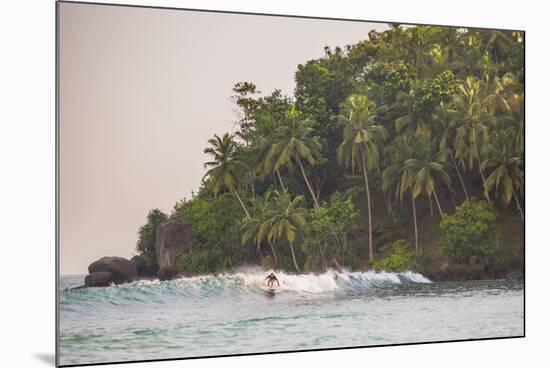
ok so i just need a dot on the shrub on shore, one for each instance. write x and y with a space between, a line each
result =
400 259
470 231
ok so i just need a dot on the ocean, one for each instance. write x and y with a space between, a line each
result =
231 314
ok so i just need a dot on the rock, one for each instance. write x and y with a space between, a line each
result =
101 278
122 270
167 273
173 238
141 266
514 275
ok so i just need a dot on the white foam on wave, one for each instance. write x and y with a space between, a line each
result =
416 277
328 281
382 276
309 283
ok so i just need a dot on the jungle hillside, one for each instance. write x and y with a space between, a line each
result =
402 152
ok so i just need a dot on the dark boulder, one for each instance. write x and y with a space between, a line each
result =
101 278
173 238
122 270
461 272
167 273
514 274
141 265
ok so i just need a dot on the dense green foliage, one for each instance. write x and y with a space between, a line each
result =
410 117
470 231
328 243
147 235
400 259
216 232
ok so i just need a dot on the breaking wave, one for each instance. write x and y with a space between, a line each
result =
235 284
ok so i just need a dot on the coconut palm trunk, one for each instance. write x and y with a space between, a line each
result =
518 204
274 180
388 204
415 223
280 179
483 180
236 194
315 201
252 188
294 256
438 204
460 177
366 177
273 251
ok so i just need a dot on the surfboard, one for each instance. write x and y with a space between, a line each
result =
270 291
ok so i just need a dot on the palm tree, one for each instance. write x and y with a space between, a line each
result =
447 143
472 119
497 43
225 167
505 161
397 175
507 100
361 144
257 227
426 168
470 55
517 112
413 121
294 142
261 138
285 219
416 47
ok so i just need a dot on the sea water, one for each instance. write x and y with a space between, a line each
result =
232 314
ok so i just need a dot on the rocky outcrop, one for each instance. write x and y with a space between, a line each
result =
142 268
121 269
173 238
471 271
167 273
101 278
514 274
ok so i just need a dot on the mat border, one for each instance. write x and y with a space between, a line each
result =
57 177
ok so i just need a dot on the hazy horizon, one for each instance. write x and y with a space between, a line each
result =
142 90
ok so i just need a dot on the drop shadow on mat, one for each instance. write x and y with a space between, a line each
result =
47 358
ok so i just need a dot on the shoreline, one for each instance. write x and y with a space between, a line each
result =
454 274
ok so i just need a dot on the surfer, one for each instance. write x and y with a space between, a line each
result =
271 278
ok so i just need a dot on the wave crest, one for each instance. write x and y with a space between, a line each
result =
239 283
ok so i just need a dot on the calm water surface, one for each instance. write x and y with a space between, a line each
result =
231 314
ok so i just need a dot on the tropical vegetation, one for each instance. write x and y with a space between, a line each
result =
377 137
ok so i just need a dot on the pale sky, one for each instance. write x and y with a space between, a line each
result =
141 91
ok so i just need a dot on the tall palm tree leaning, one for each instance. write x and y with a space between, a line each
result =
294 142
505 161
261 138
258 227
427 167
471 115
286 219
361 144
396 174
225 167
447 143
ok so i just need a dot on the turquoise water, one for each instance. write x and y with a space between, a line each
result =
232 314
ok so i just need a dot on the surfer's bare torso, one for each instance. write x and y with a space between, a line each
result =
271 278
